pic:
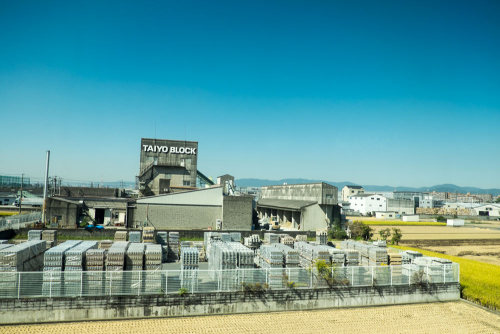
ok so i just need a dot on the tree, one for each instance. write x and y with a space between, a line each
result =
497 200
360 230
396 236
385 233
337 233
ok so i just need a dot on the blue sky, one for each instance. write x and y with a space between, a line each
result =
397 93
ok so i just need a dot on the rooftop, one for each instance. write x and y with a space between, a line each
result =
284 203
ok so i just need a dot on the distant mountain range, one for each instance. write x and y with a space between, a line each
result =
438 188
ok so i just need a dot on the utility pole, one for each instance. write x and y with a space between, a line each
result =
21 198
46 183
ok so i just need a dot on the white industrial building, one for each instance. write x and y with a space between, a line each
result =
368 203
350 190
489 209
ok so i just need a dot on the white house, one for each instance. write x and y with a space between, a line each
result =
348 191
368 203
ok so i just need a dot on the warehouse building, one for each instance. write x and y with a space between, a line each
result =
401 206
305 207
167 166
368 203
206 208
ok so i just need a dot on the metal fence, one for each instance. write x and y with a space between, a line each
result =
19 221
127 283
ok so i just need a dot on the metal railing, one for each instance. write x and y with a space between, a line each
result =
19 221
136 283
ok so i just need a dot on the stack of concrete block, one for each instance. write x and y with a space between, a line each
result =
225 237
34 235
291 257
115 259
121 236
208 239
409 256
134 258
245 256
311 253
252 242
395 259
26 256
301 237
94 262
189 258
173 246
321 237
154 276
270 256
377 256
105 244
76 256
337 256
235 236
152 258
50 236
134 236
221 256
74 266
271 238
352 257
148 234
287 240
53 266
162 239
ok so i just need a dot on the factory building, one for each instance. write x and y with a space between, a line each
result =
305 207
205 208
368 203
167 166
401 206
351 190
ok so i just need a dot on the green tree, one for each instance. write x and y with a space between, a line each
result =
396 236
385 233
360 231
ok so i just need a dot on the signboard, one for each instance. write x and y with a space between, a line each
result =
169 149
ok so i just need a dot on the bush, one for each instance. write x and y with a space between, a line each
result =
441 219
337 233
396 236
360 230
183 291
385 233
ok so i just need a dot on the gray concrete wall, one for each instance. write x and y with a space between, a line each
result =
401 205
176 216
65 213
322 193
41 310
237 213
313 218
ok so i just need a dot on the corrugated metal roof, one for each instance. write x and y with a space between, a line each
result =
284 203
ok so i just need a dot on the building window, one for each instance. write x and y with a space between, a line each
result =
186 183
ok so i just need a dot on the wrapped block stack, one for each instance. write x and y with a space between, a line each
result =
173 246
189 258
121 235
301 237
291 256
321 237
148 234
95 259
310 254
134 236
34 235
53 265
134 258
409 256
271 238
50 236
252 242
74 264
287 240
105 244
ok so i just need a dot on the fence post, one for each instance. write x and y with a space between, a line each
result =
390 267
372 275
140 283
311 279
110 281
219 272
444 273
267 277
166 281
50 284
18 284
427 274
352 276
81 283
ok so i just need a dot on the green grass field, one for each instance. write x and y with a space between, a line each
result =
398 223
480 281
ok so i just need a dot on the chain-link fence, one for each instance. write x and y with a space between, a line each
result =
19 221
123 283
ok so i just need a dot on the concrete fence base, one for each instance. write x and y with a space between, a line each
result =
39 310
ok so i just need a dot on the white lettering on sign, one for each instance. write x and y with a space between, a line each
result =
171 149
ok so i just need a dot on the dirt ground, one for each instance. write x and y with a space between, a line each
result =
488 253
442 232
451 317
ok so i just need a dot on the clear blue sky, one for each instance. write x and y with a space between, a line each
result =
373 92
